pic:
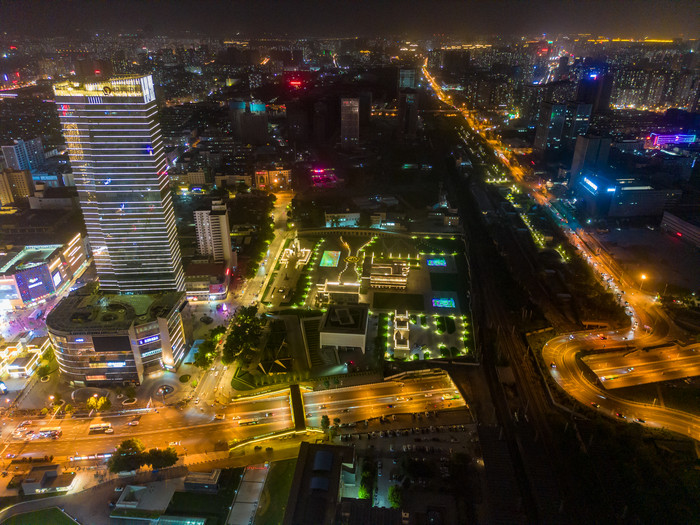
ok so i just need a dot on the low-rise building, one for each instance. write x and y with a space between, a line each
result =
203 481
344 327
46 478
102 338
207 281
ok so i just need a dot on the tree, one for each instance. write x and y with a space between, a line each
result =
68 408
128 456
205 355
325 423
336 421
363 493
395 496
103 403
158 458
92 403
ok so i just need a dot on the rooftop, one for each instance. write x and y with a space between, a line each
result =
346 319
27 257
89 310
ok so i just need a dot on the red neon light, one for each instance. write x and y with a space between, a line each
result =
228 271
97 71
17 73
13 47
295 82
679 234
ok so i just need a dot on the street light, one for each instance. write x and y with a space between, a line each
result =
644 278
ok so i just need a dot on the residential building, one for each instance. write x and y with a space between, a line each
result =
24 154
213 232
15 184
116 152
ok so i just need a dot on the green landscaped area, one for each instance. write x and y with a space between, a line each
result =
398 301
51 516
273 500
443 282
213 507
675 394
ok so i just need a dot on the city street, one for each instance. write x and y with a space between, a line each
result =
195 429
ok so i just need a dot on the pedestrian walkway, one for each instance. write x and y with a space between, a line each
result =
245 504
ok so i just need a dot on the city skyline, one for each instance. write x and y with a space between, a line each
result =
300 18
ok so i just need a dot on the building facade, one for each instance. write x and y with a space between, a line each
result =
349 121
116 152
31 274
24 154
104 339
213 232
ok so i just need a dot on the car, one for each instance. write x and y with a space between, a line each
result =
109 430
225 368
269 414
29 433
390 406
552 365
213 369
595 405
639 420
173 443
133 423
235 418
196 401
346 410
11 456
219 416
620 415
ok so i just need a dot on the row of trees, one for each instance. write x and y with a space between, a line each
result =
244 335
132 455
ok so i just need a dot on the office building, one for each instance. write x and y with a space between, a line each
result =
116 152
590 153
407 79
249 119
596 90
408 113
213 232
349 121
102 339
24 154
578 116
15 184
550 126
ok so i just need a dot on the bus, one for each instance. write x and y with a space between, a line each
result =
50 432
105 428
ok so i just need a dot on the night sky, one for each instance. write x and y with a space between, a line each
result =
631 18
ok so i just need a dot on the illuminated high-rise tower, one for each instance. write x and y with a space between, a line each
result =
116 151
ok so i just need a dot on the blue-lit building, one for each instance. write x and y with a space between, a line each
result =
31 274
622 198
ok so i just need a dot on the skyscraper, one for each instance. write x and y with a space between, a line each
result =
590 153
116 151
550 126
24 154
349 121
213 232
